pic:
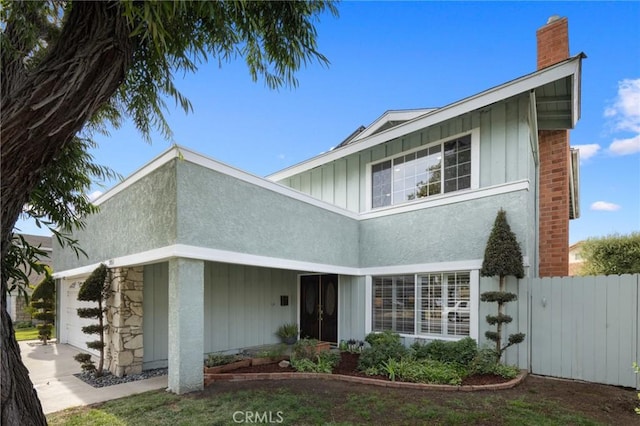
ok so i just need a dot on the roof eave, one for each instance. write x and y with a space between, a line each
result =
570 66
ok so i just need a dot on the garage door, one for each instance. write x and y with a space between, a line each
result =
70 323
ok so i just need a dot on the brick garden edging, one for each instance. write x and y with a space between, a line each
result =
234 377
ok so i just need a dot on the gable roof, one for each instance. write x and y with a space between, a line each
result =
557 90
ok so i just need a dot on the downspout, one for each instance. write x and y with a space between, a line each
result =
533 265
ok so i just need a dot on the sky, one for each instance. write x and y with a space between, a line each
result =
404 55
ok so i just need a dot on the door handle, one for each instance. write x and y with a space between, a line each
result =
320 312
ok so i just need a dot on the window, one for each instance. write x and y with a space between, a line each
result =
441 168
423 304
394 303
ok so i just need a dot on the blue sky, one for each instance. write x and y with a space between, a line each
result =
402 55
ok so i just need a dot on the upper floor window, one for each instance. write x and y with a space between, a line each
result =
436 169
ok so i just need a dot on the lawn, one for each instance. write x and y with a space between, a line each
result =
30 333
294 402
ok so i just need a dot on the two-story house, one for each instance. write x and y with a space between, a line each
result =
385 232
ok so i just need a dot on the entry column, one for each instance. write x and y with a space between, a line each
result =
186 325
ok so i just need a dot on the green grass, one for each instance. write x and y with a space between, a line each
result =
30 333
313 406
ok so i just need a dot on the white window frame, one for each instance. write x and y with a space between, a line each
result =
474 298
475 171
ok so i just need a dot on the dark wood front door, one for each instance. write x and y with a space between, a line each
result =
319 307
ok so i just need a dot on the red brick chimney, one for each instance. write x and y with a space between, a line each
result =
553 47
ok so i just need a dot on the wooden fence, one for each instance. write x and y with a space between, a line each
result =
585 328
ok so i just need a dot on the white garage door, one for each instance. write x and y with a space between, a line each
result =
70 323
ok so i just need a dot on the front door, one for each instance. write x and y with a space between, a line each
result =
319 307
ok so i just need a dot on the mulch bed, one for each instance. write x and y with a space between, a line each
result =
348 366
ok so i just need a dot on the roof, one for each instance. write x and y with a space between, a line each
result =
556 89
38 241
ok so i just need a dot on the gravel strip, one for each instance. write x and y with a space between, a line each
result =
108 379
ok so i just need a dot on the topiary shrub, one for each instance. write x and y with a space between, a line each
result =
502 257
43 301
94 289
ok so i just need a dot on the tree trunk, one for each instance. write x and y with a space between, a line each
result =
41 110
499 325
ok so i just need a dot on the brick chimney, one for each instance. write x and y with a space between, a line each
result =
553 47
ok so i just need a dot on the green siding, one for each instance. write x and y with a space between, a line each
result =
351 301
155 308
504 153
242 305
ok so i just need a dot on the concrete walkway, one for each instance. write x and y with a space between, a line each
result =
51 369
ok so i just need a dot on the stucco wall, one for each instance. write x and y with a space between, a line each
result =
223 212
441 234
139 218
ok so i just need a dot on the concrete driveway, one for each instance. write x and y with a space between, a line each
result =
52 370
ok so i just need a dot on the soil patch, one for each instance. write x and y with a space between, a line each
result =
348 366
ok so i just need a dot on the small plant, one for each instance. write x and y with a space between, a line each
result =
322 362
485 363
423 371
355 346
342 346
274 351
305 349
288 333
87 365
214 360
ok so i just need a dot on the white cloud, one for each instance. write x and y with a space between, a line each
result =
281 157
624 116
95 194
626 108
605 206
625 146
587 151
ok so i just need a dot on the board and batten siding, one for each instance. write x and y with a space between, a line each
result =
351 305
586 328
242 305
155 311
504 154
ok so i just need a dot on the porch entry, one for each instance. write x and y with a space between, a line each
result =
319 307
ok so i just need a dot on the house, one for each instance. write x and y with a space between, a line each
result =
16 303
576 261
385 232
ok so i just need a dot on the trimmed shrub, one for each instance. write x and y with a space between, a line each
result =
384 346
460 352
43 302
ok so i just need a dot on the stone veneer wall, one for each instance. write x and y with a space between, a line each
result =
124 343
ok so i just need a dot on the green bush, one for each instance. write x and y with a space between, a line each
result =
323 362
485 363
387 337
305 349
460 352
213 360
422 371
384 346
